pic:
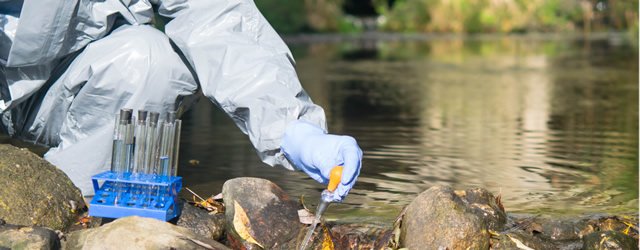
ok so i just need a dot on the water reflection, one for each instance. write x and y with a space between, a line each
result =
551 124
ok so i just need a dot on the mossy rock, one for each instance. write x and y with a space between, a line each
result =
34 192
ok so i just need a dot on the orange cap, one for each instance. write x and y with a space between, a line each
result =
334 178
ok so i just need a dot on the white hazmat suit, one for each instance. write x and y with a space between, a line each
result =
68 66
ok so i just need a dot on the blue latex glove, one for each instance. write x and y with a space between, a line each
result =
315 152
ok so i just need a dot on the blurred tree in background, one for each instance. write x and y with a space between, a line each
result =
303 15
457 16
507 15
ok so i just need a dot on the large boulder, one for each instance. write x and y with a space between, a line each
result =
200 222
34 192
259 213
138 233
443 218
27 237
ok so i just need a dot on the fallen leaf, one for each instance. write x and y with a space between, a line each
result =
217 196
327 243
84 221
306 217
242 225
519 243
194 162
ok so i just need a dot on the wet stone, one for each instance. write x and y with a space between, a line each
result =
519 240
269 217
27 237
443 218
201 222
610 240
138 233
34 192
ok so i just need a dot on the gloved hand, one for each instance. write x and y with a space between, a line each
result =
315 152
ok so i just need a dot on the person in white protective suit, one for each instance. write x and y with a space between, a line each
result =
68 66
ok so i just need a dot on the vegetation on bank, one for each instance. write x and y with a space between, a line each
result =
507 15
459 16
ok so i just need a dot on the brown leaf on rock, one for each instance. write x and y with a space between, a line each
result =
306 217
217 197
242 225
210 204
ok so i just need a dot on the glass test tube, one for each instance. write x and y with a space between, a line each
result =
129 145
117 146
140 143
150 155
152 136
140 134
124 152
176 148
168 136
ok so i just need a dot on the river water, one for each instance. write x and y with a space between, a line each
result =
550 123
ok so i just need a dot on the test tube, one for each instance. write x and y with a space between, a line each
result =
123 152
157 150
123 129
152 136
140 143
168 135
176 147
117 146
129 143
151 155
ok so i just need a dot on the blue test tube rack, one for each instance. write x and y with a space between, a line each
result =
126 194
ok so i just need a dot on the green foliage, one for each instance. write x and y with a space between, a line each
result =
458 16
349 25
507 15
285 16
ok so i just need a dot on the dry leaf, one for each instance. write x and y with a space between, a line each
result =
327 243
217 196
306 217
242 225
519 243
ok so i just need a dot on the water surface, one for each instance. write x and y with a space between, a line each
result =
550 123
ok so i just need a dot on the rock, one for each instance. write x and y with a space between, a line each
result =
564 229
138 233
441 217
483 204
344 236
569 228
357 236
34 192
258 211
200 222
27 237
609 240
519 240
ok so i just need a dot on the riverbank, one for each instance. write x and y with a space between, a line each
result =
259 214
306 38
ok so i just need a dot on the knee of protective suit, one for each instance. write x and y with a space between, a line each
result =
136 68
